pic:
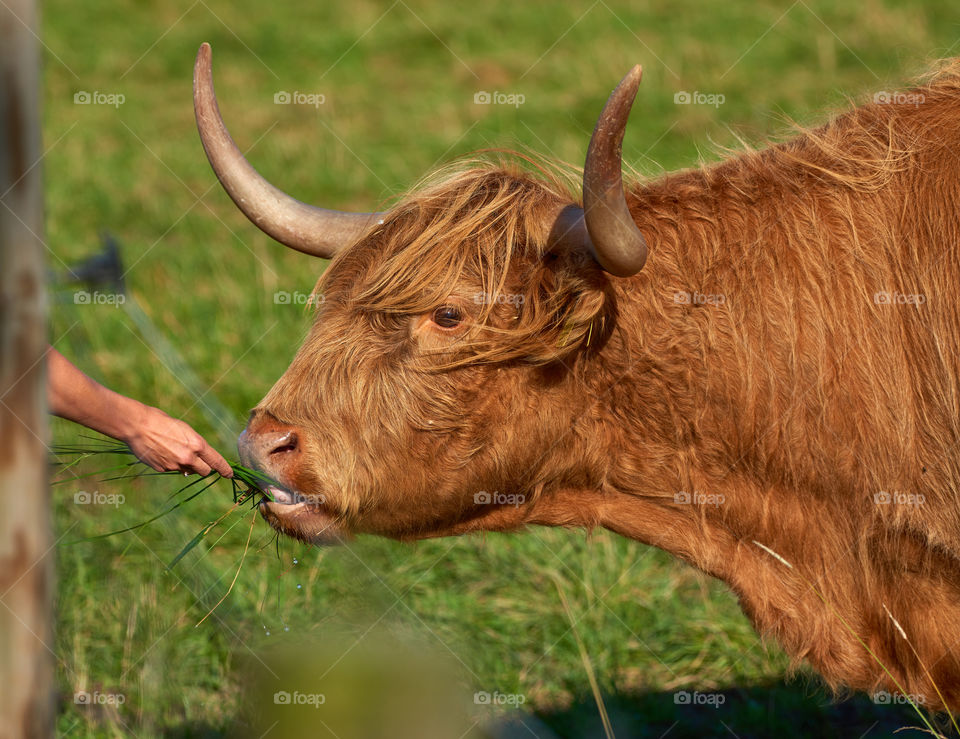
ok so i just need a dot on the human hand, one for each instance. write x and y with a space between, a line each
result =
167 444
158 440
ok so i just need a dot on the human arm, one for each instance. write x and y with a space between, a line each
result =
162 442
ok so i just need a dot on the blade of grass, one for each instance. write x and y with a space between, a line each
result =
191 544
585 659
203 532
149 520
936 687
253 520
854 634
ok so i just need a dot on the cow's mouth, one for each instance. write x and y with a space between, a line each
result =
300 515
281 495
275 449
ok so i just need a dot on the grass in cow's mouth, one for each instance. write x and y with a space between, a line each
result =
249 485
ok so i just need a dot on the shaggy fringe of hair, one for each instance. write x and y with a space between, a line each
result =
479 227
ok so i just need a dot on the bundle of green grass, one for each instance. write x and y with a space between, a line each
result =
249 486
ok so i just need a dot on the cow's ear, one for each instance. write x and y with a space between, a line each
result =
567 307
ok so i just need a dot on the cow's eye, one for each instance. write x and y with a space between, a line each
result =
447 316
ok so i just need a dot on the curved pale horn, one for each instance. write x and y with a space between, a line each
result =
615 240
303 227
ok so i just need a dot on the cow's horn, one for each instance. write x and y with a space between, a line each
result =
306 228
615 241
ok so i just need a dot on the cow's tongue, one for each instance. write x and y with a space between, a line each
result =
280 495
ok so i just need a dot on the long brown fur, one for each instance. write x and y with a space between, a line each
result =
785 399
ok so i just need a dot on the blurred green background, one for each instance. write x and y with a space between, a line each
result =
398 83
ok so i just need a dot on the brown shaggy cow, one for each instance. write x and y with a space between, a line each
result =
774 398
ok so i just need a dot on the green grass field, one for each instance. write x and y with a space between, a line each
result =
398 84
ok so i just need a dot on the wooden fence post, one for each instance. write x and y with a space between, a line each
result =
26 557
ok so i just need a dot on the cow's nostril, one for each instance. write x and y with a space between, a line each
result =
286 443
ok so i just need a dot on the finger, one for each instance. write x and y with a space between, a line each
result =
212 457
158 466
198 466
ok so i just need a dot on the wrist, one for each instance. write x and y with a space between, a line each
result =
129 419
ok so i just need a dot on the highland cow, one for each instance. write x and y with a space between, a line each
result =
774 397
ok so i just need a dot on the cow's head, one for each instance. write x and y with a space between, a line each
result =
440 384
